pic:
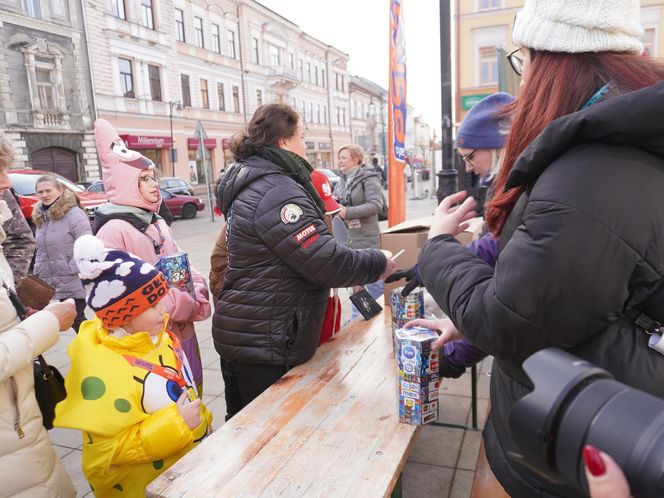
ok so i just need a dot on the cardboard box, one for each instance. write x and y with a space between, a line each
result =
411 236
419 376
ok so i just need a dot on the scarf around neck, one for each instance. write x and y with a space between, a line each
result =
297 168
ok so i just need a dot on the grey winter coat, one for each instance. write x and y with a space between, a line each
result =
57 229
362 194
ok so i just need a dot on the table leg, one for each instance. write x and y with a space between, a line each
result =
397 492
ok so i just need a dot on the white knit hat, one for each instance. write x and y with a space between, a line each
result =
579 26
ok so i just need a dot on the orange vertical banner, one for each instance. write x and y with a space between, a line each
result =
396 116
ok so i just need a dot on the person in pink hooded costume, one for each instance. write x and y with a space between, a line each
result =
130 222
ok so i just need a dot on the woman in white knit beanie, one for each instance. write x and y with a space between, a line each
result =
579 214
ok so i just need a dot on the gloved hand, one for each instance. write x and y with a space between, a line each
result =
450 370
412 278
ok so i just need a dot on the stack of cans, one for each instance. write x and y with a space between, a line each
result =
405 309
419 375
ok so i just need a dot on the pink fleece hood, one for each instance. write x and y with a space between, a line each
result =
120 168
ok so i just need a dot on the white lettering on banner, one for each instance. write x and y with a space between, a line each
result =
156 141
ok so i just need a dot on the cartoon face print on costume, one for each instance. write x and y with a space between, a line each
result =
121 168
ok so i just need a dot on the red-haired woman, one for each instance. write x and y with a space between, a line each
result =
579 213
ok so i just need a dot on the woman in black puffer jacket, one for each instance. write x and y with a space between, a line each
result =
578 209
282 260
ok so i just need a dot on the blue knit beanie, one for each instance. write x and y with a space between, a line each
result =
482 128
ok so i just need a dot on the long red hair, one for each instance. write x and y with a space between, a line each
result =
559 84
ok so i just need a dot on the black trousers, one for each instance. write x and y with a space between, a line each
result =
244 382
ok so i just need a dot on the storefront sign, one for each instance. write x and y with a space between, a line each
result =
468 101
209 143
323 146
146 142
226 143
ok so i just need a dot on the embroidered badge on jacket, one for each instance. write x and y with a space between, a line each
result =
290 213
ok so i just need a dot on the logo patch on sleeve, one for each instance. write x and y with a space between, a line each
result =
290 213
304 233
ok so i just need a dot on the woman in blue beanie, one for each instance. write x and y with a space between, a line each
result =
481 136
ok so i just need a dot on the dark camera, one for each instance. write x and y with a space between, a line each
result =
575 403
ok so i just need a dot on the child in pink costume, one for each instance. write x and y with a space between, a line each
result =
130 222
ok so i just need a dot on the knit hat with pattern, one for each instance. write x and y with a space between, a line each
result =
579 26
119 285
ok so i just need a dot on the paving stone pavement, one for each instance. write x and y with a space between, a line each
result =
442 460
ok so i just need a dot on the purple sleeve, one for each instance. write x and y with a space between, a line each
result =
462 353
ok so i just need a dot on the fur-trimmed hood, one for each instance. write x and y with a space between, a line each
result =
57 210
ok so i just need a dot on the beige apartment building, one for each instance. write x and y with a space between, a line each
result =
483 25
161 67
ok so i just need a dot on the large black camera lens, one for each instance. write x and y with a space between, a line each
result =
575 403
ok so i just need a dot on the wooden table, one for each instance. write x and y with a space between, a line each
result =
329 427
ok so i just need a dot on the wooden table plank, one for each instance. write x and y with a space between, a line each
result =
328 428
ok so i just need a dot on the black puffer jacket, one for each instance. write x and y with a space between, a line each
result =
583 243
282 261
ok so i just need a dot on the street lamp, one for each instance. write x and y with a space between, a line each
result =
178 107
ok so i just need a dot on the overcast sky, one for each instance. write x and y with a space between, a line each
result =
361 29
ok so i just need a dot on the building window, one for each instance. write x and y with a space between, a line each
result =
45 89
147 13
336 81
316 75
216 38
231 44
205 97
343 84
259 98
236 99
254 51
649 45
275 60
179 25
343 114
324 114
32 8
294 103
126 78
304 111
221 97
309 72
338 115
186 92
317 113
322 77
118 9
155 82
198 31
489 4
301 70
488 66
311 112
291 60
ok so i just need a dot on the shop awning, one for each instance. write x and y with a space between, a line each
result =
208 143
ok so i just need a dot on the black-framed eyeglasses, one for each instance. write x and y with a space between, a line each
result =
468 158
516 61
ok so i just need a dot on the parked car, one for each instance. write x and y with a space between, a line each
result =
176 185
24 183
186 206
332 176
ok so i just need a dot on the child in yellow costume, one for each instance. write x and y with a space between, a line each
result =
130 389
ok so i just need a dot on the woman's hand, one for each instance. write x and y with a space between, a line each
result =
189 411
342 213
448 332
65 312
605 478
449 219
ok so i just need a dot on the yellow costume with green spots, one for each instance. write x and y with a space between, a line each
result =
132 431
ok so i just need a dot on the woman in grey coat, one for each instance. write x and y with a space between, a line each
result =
59 221
360 193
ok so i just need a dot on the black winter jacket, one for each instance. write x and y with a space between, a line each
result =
584 241
282 262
